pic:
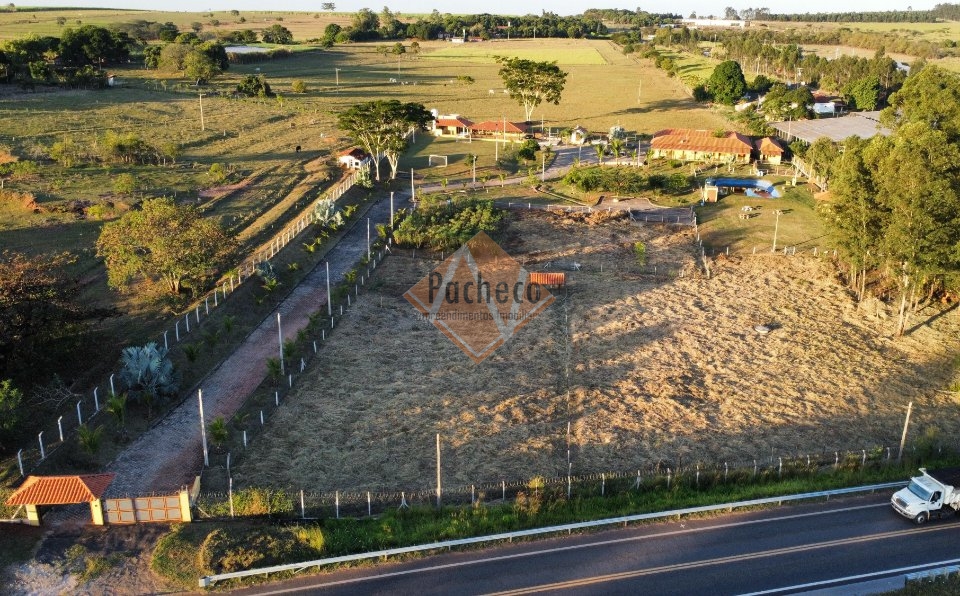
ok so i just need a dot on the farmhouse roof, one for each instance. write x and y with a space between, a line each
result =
454 120
498 126
683 139
769 146
354 152
60 490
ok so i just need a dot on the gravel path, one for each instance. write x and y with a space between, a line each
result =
170 455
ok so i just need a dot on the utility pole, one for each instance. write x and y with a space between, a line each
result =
280 337
203 429
202 127
337 72
776 227
903 437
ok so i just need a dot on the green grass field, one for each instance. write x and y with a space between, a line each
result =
798 224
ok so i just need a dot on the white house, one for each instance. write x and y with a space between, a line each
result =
354 158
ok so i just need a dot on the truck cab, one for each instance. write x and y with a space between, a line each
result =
932 493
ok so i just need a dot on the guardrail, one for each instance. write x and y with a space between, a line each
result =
209 580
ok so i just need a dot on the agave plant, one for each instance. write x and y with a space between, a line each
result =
147 373
327 214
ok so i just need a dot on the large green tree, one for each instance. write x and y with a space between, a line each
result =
530 83
727 84
931 96
855 215
163 243
918 182
381 127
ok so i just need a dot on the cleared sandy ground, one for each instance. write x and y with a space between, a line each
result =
647 368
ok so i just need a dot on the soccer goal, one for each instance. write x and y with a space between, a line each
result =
436 159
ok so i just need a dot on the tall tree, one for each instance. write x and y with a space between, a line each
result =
918 182
41 321
163 243
727 84
932 96
381 128
530 83
855 216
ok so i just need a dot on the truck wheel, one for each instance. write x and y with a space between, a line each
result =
921 518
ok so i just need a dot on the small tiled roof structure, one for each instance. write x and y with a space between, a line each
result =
61 490
548 279
682 139
454 120
769 146
497 126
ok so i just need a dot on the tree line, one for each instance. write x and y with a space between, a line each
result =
896 200
76 58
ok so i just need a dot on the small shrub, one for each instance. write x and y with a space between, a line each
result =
640 253
191 351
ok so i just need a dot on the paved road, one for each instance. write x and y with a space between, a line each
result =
781 551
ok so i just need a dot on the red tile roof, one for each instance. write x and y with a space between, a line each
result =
458 122
60 490
497 126
682 139
769 146
354 152
548 279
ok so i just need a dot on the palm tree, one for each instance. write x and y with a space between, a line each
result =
89 438
218 432
116 406
616 145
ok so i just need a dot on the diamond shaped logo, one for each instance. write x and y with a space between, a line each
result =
479 297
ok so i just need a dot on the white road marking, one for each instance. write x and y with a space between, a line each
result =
558 549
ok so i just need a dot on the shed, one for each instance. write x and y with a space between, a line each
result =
578 136
61 490
353 158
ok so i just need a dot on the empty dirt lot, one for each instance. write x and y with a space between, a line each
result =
646 367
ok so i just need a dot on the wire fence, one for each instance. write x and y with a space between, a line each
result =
310 503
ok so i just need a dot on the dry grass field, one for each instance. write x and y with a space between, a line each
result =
648 369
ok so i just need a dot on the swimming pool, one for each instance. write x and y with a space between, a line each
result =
752 188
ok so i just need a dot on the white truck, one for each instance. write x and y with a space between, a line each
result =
932 493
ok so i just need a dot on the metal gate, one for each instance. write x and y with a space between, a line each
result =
143 509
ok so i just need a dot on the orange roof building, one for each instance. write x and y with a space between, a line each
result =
61 490
498 128
700 145
770 150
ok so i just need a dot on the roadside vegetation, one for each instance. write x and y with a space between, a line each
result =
191 551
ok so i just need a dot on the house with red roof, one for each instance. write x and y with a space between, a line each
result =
769 150
701 145
451 125
353 158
